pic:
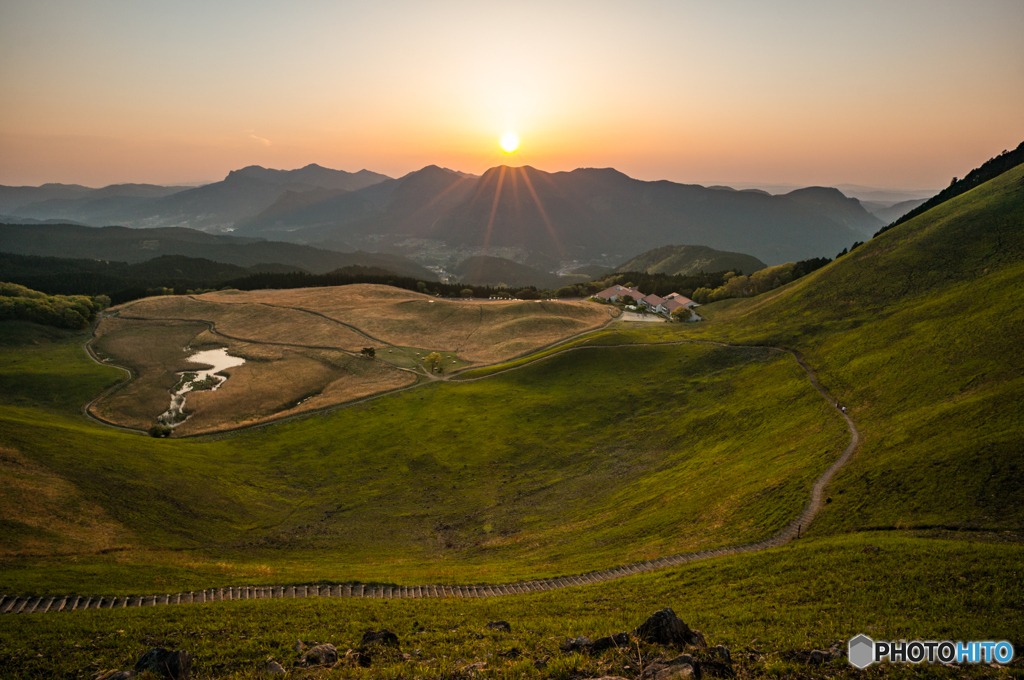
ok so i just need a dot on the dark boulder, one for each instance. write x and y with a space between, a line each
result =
577 644
359 657
585 644
166 664
665 628
609 642
321 655
379 637
683 666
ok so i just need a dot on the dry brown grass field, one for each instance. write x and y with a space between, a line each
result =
292 383
154 351
479 331
301 346
276 381
250 321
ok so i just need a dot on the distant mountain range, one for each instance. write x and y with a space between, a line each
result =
440 217
600 216
211 207
122 244
891 213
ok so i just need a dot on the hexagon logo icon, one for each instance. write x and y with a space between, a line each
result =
861 651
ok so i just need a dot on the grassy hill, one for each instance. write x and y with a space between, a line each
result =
917 331
499 484
914 331
769 609
302 346
582 459
684 260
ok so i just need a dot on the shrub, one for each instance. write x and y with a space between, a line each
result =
682 314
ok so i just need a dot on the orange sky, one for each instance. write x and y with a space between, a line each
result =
888 94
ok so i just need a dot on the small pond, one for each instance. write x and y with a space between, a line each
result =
204 379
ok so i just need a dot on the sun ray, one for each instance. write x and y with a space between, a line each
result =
515 195
540 208
494 207
433 201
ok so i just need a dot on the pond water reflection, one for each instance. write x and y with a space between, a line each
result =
204 379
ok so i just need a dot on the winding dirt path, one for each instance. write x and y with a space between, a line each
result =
25 604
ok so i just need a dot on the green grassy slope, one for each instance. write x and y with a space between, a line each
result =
584 460
769 609
47 368
918 332
587 458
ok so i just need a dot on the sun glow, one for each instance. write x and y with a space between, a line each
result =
509 142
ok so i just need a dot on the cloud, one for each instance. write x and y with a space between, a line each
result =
261 140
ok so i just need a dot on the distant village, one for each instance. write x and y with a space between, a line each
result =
665 306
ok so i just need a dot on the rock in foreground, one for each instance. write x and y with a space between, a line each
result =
665 628
166 664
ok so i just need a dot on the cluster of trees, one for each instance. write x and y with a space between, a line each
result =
120 281
664 284
844 251
736 285
62 311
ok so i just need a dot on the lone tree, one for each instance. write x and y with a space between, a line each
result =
682 314
160 431
368 352
466 293
433 361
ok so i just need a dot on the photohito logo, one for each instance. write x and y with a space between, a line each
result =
863 651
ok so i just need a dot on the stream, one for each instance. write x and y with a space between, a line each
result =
205 379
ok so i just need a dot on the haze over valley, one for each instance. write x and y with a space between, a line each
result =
439 217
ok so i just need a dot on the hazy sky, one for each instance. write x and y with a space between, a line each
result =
891 94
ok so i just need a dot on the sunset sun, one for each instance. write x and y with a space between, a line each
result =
509 142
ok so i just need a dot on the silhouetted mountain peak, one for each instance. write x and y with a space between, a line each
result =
604 173
818 193
311 175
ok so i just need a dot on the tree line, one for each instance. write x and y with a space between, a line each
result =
991 169
736 285
63 311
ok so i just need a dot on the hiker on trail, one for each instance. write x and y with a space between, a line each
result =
844 409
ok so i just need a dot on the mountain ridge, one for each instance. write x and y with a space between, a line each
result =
129 245
585 215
